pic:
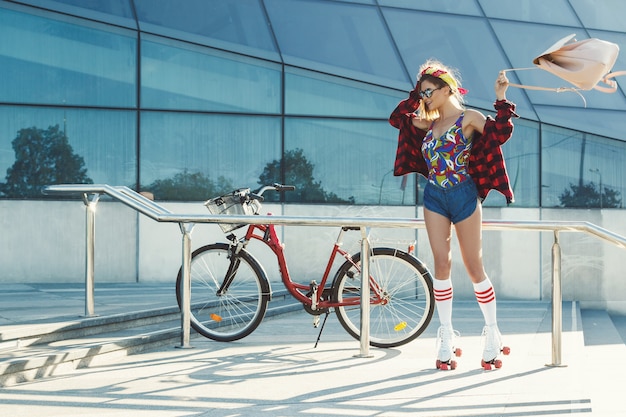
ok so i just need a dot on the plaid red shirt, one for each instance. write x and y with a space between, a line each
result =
486 162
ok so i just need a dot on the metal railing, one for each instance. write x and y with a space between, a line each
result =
91 194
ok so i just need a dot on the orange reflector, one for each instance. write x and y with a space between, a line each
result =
400 326
216 317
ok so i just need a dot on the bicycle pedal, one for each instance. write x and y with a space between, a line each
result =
316 321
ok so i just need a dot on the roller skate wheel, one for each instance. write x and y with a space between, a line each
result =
486 365
458 352
506 350
445 366
498 363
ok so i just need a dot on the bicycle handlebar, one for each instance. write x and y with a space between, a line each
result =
258 195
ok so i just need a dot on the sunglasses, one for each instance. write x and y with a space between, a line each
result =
429 92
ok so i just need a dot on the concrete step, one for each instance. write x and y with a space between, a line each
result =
620 324
38 333
600 329
37 350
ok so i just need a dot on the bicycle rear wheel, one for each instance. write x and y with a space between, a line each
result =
229 313
404 284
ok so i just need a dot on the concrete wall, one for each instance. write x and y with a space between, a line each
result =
44 241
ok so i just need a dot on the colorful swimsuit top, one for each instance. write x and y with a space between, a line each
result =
447 156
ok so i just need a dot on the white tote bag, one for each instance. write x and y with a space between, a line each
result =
584 64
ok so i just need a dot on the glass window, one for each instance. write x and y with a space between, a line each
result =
205 154
458 49
183 77
581 170
468 7
69 145
344 161
340 38
601 122
554 12
309 93
65 62
605 14
118 12
236 25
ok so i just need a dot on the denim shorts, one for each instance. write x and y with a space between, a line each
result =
456 203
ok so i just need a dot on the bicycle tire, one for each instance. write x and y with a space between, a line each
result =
407 285
240 310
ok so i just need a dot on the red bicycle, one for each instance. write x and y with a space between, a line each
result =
230 290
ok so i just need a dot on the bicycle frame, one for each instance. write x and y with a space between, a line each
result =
309 294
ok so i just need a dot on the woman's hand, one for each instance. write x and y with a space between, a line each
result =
415 93
502 83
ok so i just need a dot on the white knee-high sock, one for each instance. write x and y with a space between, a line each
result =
443 300
486 297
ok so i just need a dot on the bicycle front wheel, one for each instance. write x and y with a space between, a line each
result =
401 294
229 294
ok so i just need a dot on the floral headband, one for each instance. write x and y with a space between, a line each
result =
444 76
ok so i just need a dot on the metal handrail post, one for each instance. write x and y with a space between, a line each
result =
364 340
557 303
90 244
185 316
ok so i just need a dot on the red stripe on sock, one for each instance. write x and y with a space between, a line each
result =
443 295
485 296
490 289
486 301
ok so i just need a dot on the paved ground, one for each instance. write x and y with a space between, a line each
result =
277 371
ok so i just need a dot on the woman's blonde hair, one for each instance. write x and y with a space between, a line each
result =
440 75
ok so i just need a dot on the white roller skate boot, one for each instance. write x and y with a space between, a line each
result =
492 347
446 337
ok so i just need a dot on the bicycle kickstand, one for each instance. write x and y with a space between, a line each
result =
319 336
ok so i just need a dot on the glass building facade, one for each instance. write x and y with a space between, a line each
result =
190 99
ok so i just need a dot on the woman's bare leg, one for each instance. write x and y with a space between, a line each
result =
469 234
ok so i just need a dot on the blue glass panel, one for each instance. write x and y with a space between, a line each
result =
351 160
608 123
605 14
64 62
553 12
467 39
308 93
345 39
183 77
467 7
236 25
118 12
230 151
581 160
104 139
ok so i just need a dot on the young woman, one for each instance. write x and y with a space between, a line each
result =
458 151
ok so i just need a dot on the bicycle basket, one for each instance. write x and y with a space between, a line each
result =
236 203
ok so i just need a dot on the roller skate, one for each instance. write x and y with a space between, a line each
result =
492 347
446 337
